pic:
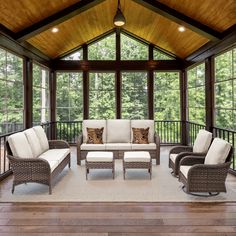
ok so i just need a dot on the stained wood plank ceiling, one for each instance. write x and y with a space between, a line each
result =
17 15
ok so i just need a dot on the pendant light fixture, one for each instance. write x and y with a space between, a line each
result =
119 19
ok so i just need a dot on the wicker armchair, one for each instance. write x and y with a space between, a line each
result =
200 147
28 167
206 175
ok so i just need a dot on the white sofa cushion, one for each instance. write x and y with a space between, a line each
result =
118 146
99 156
53 165
137 157
33 142
203 141
92 147
94 124
118 131
185 170
42 137
173 157
55 154
144 124
20 146
150 146
218 152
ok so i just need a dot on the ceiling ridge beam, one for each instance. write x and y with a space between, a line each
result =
56 19
181 19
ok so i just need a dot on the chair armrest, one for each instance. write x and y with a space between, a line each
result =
192 160
178 149
58 144
217 171
80 140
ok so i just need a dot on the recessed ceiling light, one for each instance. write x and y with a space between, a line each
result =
181 29
55 30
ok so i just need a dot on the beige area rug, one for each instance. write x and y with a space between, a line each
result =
71 186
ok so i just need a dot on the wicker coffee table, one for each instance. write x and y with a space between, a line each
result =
100 160
137 160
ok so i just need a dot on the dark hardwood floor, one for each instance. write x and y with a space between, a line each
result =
118 219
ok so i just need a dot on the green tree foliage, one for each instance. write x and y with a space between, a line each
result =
40 94
104 49
132 49
134 95
158 55
225 87
69 96
11 90
102 96
78 55
196 94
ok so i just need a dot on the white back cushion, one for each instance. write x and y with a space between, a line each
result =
34 142
42 138
218 152
203 141
144 124
94 124
118 131
19 145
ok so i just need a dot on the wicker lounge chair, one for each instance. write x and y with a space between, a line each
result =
206 175
200 148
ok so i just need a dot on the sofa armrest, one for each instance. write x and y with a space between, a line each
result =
58 144
157 140
79 142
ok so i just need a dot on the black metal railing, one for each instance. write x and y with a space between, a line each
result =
169 131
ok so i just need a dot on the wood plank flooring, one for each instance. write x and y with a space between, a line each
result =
118 219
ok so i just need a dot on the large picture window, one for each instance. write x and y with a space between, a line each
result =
225 87
11 90
196 94
134 95
166 96
40 94
69 96
102 96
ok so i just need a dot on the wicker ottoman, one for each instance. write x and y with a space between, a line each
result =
137 160
100 160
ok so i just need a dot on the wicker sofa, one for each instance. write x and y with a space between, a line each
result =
34 158
117 137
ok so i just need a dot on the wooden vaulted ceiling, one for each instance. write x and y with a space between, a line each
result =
143 19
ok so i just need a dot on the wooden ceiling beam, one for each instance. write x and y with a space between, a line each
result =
180 19
56 19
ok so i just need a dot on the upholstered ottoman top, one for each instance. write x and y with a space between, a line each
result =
137 156
99 157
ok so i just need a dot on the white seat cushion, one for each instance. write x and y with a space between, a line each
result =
144 124
99 157
53 165
150 146
94 124
137 157
203 141
42 137
118 131
33 142
118 146
218 152
20 146
173 157
88 147
55 154
184 170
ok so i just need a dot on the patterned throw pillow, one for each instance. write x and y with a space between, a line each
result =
94 135
140 135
